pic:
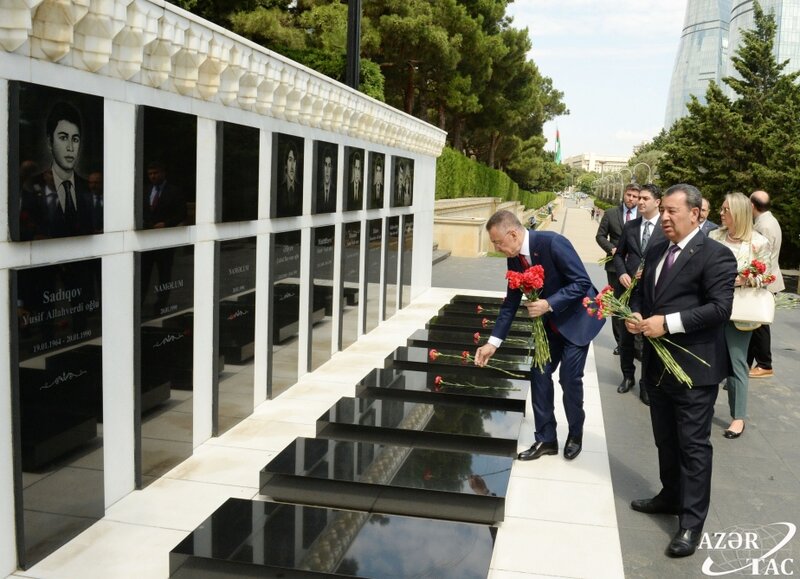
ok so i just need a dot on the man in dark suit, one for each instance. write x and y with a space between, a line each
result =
569 328
65 202
164 204
637 235
706 226
608 236
686 291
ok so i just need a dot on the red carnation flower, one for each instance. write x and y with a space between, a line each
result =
433 354
476 337
479 309
437 380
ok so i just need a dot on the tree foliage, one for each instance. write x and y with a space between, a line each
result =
458 64
748 142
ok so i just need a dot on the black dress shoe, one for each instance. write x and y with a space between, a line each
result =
539 449
732 434
616 351
573 447
655 506
643 395
684 543
625 385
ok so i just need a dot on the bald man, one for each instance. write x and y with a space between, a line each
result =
760 349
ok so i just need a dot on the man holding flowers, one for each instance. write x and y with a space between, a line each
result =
686 291
568 329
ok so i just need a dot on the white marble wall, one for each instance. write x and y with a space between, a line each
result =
151 53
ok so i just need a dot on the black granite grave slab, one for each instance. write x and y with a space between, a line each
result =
422 425
480 311
416 386
473 324
470 299
454 361
464 340
265 539
390 478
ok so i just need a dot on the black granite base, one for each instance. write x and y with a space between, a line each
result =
417 386
503 365
470 299
465 341
266 539
422 425
389 478
480 311
472 324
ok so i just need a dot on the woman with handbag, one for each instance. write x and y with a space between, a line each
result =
737 234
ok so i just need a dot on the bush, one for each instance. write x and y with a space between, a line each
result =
458 177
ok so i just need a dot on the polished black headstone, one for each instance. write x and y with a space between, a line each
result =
237 153
423 425
464 340
472 324
351 282
445 388
266 539
390 478
454 361
376 255
480 311
470 299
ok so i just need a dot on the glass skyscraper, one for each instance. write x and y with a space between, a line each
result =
711 33
702 54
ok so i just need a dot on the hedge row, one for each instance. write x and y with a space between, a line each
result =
458 177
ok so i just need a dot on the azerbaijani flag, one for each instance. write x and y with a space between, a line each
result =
558 147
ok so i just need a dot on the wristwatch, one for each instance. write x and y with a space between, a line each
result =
666 327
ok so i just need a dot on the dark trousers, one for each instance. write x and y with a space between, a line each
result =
681 420
617 325
571 359
760 348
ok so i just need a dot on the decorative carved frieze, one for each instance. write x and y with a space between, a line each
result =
161 46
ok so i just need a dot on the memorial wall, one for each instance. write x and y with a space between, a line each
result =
191 224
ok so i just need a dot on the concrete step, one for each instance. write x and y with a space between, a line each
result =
439 256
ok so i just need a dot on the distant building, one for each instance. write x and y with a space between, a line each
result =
596 163
712 32
702 54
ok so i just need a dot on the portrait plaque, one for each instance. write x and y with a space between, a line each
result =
164 359
237 152
55 165
354 179
321 317
373 273
236 331
402 182
287 176
325 181
166 163
377 174
351 280
285 318
392 261
57 395
406 260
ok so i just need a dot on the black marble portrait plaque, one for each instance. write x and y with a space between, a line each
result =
237 155
236 331
166 162
406 260
267 539
353 179
285 317
57 393
326 179
55 164
351 280
377 180
164 359
374 260
287 176
402 182
321 314
444 484
392 262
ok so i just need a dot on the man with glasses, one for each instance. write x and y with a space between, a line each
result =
569 329
706 226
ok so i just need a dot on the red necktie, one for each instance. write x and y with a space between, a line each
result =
524 261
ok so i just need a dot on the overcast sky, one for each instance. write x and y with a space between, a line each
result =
613 61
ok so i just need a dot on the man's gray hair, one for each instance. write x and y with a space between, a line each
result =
503 219
693 196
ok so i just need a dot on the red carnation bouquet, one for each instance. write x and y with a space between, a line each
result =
607 305
755 274
529 282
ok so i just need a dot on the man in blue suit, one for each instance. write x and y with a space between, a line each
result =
569 328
